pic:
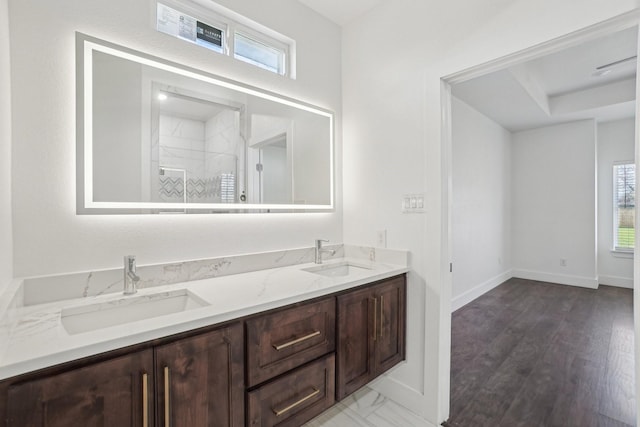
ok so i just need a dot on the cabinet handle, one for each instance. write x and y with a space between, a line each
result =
145 400
375 318
381 315
279 412
167 391
296 341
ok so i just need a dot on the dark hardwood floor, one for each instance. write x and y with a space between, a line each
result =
538 354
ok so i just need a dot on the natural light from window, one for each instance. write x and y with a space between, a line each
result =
258 54
624 204
245 41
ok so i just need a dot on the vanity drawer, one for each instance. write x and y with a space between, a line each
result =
295 398
281 341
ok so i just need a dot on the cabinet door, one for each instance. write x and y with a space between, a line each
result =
117 392
200 380
355 347
390 342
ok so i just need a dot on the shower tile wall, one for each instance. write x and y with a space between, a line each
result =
181 147
205 154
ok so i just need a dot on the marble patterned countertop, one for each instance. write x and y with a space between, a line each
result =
32 335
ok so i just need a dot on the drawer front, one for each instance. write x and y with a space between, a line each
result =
295 398
286 339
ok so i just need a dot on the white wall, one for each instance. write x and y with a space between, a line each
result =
309 156
6 240
117 129
274 175
615 143
481 217
393 60
49 237
554 204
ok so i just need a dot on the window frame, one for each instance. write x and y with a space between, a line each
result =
615 215
283 48
231 23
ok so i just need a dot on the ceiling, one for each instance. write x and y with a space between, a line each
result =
560 87
186 107
341 11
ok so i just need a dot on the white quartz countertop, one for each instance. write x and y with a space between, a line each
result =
37 338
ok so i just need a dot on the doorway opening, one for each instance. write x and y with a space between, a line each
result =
531 143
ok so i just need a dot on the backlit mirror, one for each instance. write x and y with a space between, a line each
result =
158 137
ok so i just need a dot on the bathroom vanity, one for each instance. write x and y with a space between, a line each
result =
279 364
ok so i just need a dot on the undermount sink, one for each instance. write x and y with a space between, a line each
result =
339 269
87 318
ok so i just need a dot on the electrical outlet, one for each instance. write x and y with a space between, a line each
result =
563 262
381 238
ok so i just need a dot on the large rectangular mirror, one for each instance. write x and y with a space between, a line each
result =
158 137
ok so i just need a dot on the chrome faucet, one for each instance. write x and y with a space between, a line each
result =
131 279
320 250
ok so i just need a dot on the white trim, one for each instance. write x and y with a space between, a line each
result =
636 255
479 290
402 394
561 279
622 254
622 162
618 23
616 213
620 282
446 258
269 42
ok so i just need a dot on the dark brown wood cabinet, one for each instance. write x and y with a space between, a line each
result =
118 392
287 338
294 398
297 359
282 391
194 381
371 333
200 380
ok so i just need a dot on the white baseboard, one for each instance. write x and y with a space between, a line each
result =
621 282
479 290
562 279
402 394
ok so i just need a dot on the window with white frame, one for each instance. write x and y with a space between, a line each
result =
255 50
228 34
624 206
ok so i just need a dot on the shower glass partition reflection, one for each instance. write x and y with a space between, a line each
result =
196 146
157 137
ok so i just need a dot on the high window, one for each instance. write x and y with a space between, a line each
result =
262 53
624 206
227 33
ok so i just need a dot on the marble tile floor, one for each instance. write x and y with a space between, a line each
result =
367 408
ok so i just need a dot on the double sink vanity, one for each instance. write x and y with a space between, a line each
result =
254 340
223 344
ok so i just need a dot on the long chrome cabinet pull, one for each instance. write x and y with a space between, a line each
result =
279 412
375 318
381 315
296 341
167 403
145 400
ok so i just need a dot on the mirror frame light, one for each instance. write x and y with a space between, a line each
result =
85 46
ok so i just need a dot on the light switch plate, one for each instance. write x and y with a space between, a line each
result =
413 203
